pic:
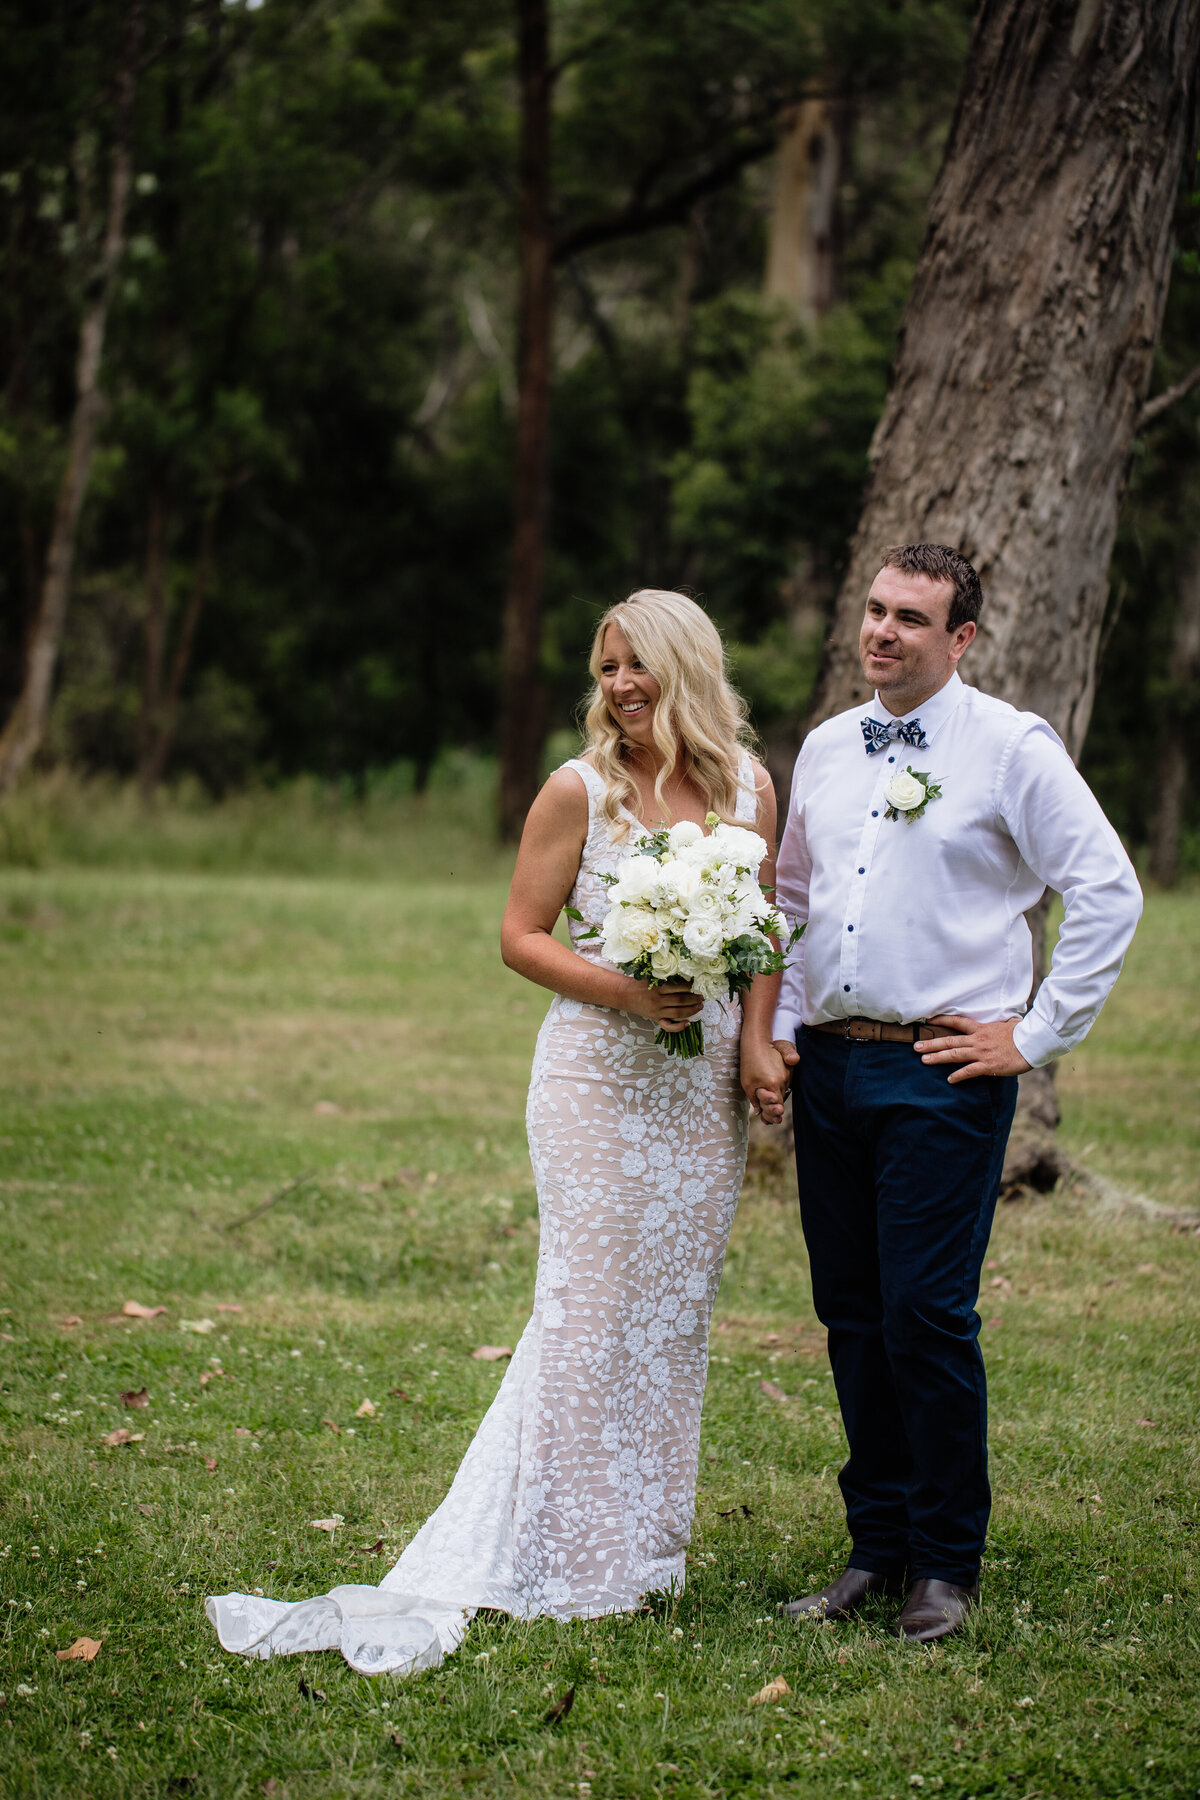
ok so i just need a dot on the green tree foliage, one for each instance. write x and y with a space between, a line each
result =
309 367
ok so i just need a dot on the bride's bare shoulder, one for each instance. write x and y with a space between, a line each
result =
562 801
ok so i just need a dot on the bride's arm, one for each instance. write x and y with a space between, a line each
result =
764 1076
547 864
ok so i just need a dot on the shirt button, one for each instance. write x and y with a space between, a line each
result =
862 871
849 928
874 815
891 759
846 988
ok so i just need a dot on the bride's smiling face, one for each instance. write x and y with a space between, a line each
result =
630 691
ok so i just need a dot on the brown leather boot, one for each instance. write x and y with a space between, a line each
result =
842 1598
935 1609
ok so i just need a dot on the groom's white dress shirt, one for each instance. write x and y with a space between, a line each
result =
908 918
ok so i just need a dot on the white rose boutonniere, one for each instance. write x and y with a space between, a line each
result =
909 792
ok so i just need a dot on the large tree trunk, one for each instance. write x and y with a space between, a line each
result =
521 698
1172 766
1026 354
1026 348
803 227
27 723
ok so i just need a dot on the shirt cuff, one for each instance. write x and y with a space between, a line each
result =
1037 1042
787 1023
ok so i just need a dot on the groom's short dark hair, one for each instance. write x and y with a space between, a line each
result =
941 563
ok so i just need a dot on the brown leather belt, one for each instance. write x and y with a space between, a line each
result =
878 1031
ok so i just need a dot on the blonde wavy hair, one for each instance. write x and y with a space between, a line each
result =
699 720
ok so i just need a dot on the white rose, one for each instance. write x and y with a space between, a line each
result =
745 848
684 833
665 962
702 935
709 980
904 792
637 881
628 930
706 903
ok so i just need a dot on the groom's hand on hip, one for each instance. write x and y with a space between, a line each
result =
975 1048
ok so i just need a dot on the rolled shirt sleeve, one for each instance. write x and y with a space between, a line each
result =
1063 836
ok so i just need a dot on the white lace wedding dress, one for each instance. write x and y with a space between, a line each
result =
576 1495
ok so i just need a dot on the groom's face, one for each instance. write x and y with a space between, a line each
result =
906 652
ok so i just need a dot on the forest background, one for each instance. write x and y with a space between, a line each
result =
294 550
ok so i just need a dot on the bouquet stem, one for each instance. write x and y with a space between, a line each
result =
688 1042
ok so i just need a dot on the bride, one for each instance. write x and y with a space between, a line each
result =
576 1495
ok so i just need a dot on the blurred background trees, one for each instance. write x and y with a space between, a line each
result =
294 554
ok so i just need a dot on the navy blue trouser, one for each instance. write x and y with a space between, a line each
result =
899 1173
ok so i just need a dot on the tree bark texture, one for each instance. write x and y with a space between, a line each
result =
1171 773
802 228
23 732
521 701
1026 349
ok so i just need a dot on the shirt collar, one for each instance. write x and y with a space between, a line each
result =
933 713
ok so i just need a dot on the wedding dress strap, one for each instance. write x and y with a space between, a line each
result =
747 800
594 783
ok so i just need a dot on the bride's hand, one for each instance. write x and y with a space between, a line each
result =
671 1004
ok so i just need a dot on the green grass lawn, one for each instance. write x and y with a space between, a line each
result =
179 1048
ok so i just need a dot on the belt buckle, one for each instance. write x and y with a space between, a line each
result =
865 1036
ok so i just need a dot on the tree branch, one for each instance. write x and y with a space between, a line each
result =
1155 408
636 218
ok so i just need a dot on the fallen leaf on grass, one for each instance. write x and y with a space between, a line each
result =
999 1281
366 1410
1147 1421
772 1392
122 1436
201 1327
326 1109
274 1790
375 1549
135 1399
336 1429
82 1650
993 1322
491 1353
561 1707
133 1309
67 1323
230 1308
210 1463
148 1510
311 1693
242 1431
210 1375
747 1512
397 1393
772 1694
330 1524
396 1741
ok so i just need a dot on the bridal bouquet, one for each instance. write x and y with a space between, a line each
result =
686 907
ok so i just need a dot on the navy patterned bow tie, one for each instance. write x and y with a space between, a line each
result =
877 737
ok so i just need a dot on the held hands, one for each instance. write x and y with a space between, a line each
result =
766 1071
978 1049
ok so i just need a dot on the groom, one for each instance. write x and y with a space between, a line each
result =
918 835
